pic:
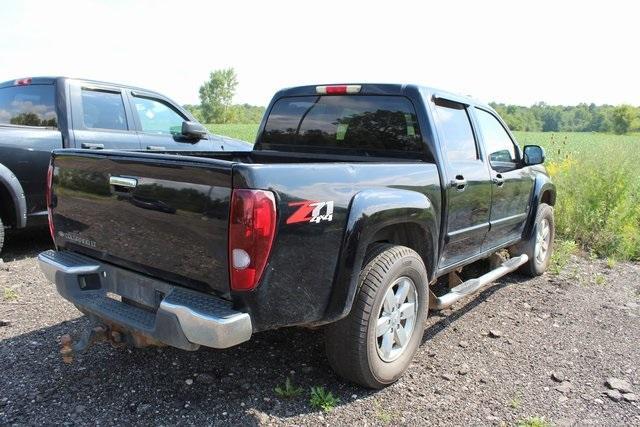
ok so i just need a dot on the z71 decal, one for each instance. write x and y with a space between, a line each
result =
310 211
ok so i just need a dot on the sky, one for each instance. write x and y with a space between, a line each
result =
519 52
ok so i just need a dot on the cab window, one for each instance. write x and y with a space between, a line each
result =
103 110
28 105
453 122
157 117
498 143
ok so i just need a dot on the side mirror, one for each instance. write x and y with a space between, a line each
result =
533 155
193 130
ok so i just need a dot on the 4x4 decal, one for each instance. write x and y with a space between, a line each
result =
311 211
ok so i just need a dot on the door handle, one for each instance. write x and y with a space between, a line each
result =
459 183
498 180
92 146
156 148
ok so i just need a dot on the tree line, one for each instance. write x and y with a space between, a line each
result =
216 106
619 119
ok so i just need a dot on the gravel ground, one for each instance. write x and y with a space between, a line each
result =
543 347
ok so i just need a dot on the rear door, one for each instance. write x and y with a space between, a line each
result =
101 117
468 189
511 184
159 124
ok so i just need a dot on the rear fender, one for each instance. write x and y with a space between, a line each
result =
371 211
9 181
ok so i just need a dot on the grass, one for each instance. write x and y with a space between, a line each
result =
244 132
598 186
562 251
533 422
288 390
598 189
515 402
322 399
8 294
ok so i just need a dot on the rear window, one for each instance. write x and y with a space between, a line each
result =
352 124
31 105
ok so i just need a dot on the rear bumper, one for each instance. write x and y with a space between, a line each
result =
175 316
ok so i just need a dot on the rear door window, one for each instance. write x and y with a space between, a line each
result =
30 105
103 110
353 124
459 142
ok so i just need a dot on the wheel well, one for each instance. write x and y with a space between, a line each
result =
7 207
410 235
548 197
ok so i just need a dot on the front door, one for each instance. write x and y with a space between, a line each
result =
468 189
511 184
160 125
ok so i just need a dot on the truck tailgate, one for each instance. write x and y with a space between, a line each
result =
161 215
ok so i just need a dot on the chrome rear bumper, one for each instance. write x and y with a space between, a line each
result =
176 316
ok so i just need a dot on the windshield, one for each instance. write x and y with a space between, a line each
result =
351 124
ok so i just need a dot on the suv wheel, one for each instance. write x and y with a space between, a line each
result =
539 246
375 343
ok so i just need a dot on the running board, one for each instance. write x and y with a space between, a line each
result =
472 286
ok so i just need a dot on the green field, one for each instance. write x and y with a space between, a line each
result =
598 182
238 131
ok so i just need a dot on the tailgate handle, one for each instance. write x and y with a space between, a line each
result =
123 182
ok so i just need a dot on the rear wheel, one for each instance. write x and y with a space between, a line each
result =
375 343
539 246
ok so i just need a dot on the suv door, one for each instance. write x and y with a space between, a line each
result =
101 118
159 124
468 192
511 184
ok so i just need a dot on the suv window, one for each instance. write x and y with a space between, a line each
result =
351 123
157 117
498 143
103 110
453 121
31 105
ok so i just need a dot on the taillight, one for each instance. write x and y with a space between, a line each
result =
252 225
49 199
338 89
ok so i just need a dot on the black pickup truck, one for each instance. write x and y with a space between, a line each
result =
40 114
359 208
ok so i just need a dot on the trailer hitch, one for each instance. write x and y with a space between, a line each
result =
99 332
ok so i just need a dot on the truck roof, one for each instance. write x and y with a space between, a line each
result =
52 79
383 89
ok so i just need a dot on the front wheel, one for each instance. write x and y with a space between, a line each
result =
539 245
376 342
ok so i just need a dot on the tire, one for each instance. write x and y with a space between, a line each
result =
538 261
354 349
1 235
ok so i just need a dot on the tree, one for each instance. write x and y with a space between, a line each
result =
216 96
621 118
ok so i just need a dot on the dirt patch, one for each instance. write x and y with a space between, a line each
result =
544 347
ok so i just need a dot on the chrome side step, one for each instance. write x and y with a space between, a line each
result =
472 286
